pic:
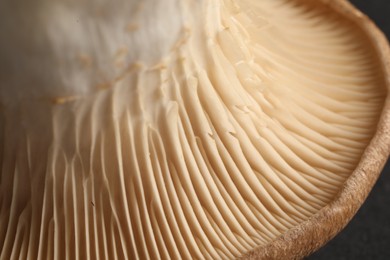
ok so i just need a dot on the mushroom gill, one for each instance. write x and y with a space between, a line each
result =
201 131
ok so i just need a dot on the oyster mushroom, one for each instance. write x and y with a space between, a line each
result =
186 129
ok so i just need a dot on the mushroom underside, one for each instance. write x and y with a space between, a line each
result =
247 127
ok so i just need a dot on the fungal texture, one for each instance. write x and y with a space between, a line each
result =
199 134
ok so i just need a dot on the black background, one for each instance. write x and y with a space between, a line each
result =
367 236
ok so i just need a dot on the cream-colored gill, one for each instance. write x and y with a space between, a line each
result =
190 129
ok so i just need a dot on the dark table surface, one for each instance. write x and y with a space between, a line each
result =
367 236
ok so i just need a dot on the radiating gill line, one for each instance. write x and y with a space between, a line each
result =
231 188
123 147
315 123
276 161
318 151
176 211
103 236
238 180
327 115
160 241
317 45
235 187
136 195
108 180
209 203
310 143
59 167
245 217
70 213
98 187
107 226
270 51
176 245
241 180
190 136
322 87
266 198
248 171
190 188
180 189
242 124
212 242
298 164
300 55
282 200
296 127
142 155
285 149
315 200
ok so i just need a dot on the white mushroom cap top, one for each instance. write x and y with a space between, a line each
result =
178 128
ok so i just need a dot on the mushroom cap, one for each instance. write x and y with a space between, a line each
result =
256 129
